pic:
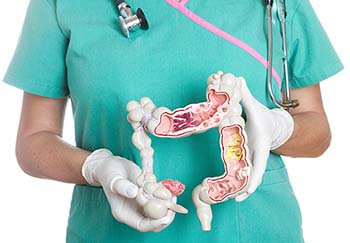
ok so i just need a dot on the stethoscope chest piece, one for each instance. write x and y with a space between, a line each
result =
129 21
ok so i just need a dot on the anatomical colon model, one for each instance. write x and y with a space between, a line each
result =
222 111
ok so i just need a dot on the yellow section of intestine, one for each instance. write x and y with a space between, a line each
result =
233 149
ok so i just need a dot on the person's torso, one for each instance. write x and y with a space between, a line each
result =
169 63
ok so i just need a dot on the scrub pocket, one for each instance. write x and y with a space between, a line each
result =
271 214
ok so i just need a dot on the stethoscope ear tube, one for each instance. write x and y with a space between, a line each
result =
287 103
130 22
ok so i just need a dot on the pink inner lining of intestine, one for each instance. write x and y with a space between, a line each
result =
203 116
230 183
195 117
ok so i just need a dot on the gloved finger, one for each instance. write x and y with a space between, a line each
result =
249 102
148 224
247 98
127 211
170 215
123 209
259 160
123 187
132 170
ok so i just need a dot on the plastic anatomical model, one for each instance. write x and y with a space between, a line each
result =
222 111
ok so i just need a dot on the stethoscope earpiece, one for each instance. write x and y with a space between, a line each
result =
129 21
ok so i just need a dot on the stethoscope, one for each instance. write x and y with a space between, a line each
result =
131 22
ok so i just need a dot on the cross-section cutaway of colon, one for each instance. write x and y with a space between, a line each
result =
222 111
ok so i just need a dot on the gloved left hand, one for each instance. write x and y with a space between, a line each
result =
267 129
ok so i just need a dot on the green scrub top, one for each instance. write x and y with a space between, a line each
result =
75 49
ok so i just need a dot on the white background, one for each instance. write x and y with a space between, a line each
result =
35 210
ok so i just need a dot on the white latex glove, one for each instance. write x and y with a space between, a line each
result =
267 130
117 176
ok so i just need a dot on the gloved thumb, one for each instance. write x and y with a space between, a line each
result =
248 100
123 187
260 158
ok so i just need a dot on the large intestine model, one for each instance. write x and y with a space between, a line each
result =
222 111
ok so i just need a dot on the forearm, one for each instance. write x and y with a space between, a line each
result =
46 155
311 136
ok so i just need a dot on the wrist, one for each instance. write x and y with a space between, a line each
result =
283 129
91 163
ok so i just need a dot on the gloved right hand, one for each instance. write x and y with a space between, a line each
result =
267 129
117 176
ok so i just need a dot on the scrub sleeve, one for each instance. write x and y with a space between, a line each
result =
74 48
312 57
38 65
